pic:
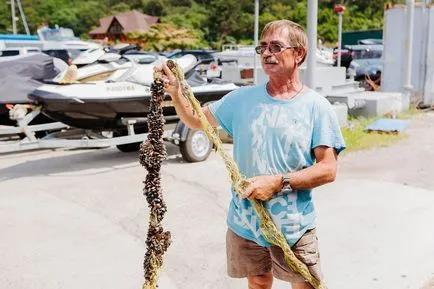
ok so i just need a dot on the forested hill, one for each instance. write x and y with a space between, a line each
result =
212 22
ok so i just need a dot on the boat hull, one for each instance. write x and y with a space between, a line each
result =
109 113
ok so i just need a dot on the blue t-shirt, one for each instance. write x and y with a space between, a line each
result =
270 137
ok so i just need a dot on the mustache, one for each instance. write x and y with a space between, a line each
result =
270 60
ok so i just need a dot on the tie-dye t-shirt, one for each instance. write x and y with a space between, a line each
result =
271 137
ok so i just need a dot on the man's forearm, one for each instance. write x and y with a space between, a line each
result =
185 111
317 175
264 187
314 176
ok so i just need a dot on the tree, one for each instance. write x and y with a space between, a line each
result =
226 19
120 7
166 36
155 7
213 22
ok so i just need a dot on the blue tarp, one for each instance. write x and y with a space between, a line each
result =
388 125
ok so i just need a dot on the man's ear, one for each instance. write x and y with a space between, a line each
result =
300 55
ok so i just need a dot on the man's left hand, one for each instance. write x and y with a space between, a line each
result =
262 188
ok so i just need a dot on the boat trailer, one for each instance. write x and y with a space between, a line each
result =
194 144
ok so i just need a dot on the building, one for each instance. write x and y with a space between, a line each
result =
115 27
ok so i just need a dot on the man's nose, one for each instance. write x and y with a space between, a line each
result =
267 52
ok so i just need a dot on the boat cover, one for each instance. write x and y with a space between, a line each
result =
22 74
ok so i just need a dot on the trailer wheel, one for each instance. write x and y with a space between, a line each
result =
196 147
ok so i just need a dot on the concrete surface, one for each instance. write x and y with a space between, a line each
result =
77 219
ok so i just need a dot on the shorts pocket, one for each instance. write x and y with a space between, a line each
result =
306 249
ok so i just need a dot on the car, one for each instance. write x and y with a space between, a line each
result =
367 72
371 41
361 51
360 68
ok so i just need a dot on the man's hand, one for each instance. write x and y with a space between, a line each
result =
262 187
171 83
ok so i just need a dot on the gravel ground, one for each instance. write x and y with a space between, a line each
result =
407 162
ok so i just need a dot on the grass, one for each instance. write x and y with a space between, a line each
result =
357 139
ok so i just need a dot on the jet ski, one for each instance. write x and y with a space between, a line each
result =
106 102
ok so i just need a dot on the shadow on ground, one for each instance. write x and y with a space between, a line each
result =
99 160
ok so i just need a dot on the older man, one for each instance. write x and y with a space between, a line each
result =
286 140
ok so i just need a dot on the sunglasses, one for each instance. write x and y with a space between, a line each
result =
272 47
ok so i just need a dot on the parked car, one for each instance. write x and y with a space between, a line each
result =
360 68
367 72
350 52
370 41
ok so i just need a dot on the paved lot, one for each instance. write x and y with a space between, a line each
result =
77 219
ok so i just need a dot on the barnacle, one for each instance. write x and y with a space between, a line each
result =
151 155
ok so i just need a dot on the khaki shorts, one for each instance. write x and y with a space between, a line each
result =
245 257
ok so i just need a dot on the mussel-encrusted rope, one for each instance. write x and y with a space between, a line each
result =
268 229
151 155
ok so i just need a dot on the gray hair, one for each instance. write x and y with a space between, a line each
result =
296 34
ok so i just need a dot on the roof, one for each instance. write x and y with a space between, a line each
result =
130 21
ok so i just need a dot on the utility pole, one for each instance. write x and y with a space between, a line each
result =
410 24
23 17
14 19
312 23
255 60
339 9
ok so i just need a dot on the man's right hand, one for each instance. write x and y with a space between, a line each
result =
172 85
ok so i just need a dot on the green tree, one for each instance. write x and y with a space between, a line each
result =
166 36
155 7
213 22
120 7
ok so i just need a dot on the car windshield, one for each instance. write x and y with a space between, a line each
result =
368 53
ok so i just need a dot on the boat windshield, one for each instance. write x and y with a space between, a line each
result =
57 34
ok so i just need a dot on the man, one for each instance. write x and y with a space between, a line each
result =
286 140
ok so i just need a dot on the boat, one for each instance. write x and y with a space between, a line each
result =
57 42
21 74
99 54
95 63
62 38
107 101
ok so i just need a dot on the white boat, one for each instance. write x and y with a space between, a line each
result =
57 42
102 103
